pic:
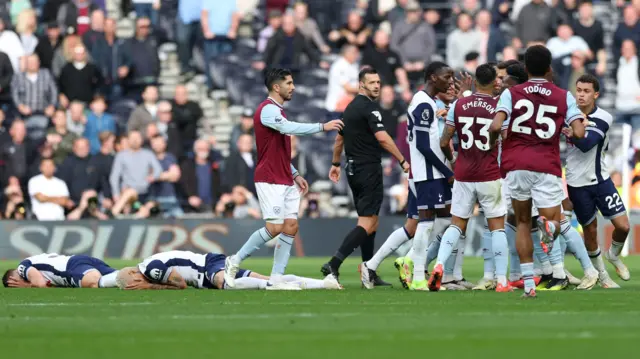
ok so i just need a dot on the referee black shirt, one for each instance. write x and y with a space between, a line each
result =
362 119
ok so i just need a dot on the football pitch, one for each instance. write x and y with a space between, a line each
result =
354 323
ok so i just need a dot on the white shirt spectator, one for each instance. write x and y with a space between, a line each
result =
51 187
342 72
628 90
11 45
560 48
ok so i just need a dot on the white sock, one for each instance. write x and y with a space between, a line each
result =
457 269
558 271
440 226
108 280
248 283
307 283
281 255
395 240
597 261
615 249
420 249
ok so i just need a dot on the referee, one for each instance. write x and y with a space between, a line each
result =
363 139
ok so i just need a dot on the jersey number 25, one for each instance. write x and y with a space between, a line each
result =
540 119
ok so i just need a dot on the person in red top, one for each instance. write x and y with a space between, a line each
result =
277 182
477 174
533 115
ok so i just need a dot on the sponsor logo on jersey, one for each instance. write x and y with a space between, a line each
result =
156 274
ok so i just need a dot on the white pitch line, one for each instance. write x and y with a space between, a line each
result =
63 304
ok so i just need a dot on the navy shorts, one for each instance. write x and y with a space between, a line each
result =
433 194
412 202
214 263
79 265
603 197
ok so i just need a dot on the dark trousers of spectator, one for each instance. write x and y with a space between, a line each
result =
146 10
632 118
213 49
187 35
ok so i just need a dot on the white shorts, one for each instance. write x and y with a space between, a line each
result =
544 189
506 195
278 202
487 194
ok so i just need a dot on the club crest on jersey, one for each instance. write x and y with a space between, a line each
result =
377 114
276 210
156 274
439 197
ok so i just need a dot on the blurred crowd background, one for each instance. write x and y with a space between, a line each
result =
139 108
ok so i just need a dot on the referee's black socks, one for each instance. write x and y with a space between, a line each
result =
353 240
366 248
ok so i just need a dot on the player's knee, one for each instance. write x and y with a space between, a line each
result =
218 280
290 228
623 225
275 228
91 279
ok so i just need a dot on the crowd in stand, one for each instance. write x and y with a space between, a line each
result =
84 132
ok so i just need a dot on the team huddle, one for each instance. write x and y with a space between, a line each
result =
506 159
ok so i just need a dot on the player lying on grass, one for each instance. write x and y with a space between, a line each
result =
182 269
54 270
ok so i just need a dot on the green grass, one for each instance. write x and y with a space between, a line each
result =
354 323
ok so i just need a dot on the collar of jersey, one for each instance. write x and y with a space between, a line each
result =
595 108
275 102
537 79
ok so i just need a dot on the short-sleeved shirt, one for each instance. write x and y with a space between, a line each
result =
471 116
220 15
362 119
536 112
52 187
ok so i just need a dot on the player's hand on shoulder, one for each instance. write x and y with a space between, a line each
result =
334 174
333 125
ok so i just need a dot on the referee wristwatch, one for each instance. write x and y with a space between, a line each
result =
335 164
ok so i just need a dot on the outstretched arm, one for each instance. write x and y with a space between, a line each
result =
271 117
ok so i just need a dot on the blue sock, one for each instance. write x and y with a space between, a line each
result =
500 249
257 240
281 254
527 275
515 273
449 266
487 253
575 244
448 244
433 249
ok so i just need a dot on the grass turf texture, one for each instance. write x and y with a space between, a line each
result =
354 323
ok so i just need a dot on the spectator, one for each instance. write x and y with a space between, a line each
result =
169 129
275 21
390 110
88 207
101 164
17 7
98 122
134 169
14 201
240 165
308 27
50 11
186 115
566 10
139 65
122 143
463 40
26 29
44 151
145 113
566 43
398 13
280 5
629 28
590 29
200 180
6 75
471 63
74 16
414 40
286 47
388 63
74 170
534 22
628 90
16 153
187 30
76 118
492 41
35 94
47 45
354 32
470 7
64 54
220 21
577 69
245 126
79 80
105 54
96 31
10 44
60 138
147 8
164 188
239 204
500 11
49 195
509 53
343 80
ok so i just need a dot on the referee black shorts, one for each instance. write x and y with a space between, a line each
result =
365 181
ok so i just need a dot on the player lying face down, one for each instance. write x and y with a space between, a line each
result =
54 270
182 269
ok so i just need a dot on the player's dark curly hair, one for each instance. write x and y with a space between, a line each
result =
485 74
589 79
504 64
5 277
433 68
537 60
518 72
272 76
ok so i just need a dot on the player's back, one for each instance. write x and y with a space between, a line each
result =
273 147
537 111
472 116
53 267
190 266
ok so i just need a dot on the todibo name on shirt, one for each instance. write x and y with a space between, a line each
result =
478 103
537 89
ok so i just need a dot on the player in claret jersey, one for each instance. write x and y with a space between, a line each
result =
533 114
477 175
